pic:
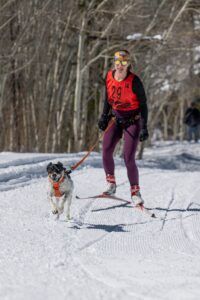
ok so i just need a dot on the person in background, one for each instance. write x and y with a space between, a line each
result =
192 120
125 114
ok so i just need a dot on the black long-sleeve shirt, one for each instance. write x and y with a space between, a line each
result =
138 89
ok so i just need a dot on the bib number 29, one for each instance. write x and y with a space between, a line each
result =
116 92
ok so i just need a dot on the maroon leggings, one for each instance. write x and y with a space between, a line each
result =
110 140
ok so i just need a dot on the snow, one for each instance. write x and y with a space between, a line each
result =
196 22
135 36
140 36
109 250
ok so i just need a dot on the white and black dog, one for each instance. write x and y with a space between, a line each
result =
60 188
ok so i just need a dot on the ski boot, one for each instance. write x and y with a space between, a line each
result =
136 196
111 189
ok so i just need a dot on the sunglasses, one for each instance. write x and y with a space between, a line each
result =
123 62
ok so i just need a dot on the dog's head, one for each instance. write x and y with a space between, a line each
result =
55 171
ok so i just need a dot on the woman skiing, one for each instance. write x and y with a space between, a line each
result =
125 106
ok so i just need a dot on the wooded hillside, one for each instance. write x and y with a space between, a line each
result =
54 56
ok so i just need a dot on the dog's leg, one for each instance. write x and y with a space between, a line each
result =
68 203
62 203
54 208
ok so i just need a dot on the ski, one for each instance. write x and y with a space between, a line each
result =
146 211
104 196
141 207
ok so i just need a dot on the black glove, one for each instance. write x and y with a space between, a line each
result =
103 122
144 134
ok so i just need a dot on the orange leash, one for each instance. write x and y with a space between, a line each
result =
92 148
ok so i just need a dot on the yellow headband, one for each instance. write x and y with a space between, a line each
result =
121 56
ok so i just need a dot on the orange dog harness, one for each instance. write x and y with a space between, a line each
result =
56 186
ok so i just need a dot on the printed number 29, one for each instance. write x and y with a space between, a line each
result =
116 92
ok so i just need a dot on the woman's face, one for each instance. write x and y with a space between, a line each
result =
120 68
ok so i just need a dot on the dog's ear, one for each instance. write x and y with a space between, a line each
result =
49 166
59 164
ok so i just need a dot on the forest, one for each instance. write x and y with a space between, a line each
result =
54 56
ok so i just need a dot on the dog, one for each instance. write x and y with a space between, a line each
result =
60 189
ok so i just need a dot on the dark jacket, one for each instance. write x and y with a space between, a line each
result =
192 117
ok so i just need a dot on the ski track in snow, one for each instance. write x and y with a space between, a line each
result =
109 250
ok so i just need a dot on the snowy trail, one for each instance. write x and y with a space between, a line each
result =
18 170
109 250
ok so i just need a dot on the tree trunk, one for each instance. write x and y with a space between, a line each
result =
165 122
15 101
175 126
84 105
181 124
141 147
35 124
78 88
66 97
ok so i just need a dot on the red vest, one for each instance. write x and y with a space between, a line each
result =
120 93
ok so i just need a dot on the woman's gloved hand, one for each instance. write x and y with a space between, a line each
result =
103 122
144 134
